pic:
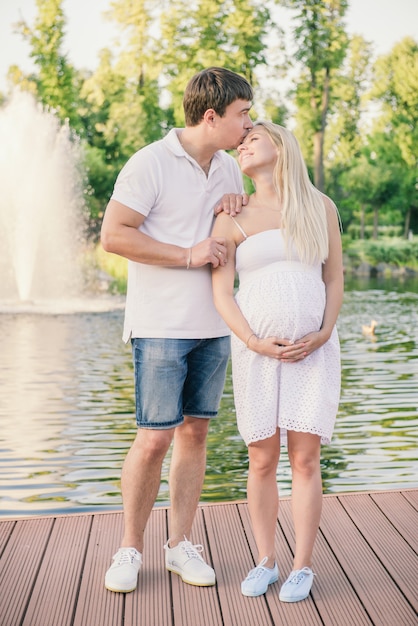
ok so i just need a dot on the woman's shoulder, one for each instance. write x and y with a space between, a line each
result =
229 227
328 202
332 213
223 224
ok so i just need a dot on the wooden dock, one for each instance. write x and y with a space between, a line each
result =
366 560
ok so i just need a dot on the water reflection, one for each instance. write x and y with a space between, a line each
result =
66 409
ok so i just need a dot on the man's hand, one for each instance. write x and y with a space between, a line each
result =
231 203
211 250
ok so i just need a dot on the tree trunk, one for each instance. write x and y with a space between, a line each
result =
375 223
362 220
407 223
318 139
318 148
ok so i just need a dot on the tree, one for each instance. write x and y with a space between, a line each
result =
344 139
135 116
346 130
226 33
373 184
396 89
321 44
57 83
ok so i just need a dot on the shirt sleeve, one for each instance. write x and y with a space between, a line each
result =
138 182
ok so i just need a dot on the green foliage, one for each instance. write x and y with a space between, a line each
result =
376 187
56 83
343 142
135 95
100 179
321 47
248 185
396 87
275 112
390 250
228 33
393 252
354 231
114 266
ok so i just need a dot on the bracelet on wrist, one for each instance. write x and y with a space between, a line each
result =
189 259
248 340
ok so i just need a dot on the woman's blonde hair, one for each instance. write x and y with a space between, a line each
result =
304 219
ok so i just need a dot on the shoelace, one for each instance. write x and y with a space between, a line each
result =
192 551
258 571
299 575
127 556
255 573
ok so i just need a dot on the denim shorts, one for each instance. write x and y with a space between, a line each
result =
178 377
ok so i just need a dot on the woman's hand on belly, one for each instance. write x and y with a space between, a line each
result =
275 347
304 346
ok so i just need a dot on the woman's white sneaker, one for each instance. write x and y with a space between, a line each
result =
185 560
259 579
298 586
122 575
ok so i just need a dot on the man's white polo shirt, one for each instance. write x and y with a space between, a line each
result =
166 184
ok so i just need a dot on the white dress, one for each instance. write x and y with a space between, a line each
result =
285 299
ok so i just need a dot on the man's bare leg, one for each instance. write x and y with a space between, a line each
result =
187 473
141 478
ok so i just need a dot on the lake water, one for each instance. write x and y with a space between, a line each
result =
67 408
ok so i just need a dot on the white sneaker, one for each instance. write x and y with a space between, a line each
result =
185 560
259 579
122 575
298 586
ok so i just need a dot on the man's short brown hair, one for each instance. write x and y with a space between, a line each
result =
214 88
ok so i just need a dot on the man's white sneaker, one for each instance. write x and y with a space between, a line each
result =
259 579
185 560
298 586
122 575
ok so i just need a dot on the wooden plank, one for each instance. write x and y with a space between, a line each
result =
332 593
231 557
196 606
55 591
19 566
95 604
286 614
381 598
385 540
151 602
6 529
52 568
412 497
401 514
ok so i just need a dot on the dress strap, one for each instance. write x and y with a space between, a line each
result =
239 227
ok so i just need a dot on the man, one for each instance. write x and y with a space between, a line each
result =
160 218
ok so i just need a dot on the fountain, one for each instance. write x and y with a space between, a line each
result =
41 210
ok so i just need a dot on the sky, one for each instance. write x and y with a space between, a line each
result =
382 22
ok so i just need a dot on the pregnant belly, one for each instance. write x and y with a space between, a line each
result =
289 305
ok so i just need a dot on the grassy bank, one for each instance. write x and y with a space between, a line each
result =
111 266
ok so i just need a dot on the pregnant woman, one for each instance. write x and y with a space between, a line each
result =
285 246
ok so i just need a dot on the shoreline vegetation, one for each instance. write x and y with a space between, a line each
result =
391 257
